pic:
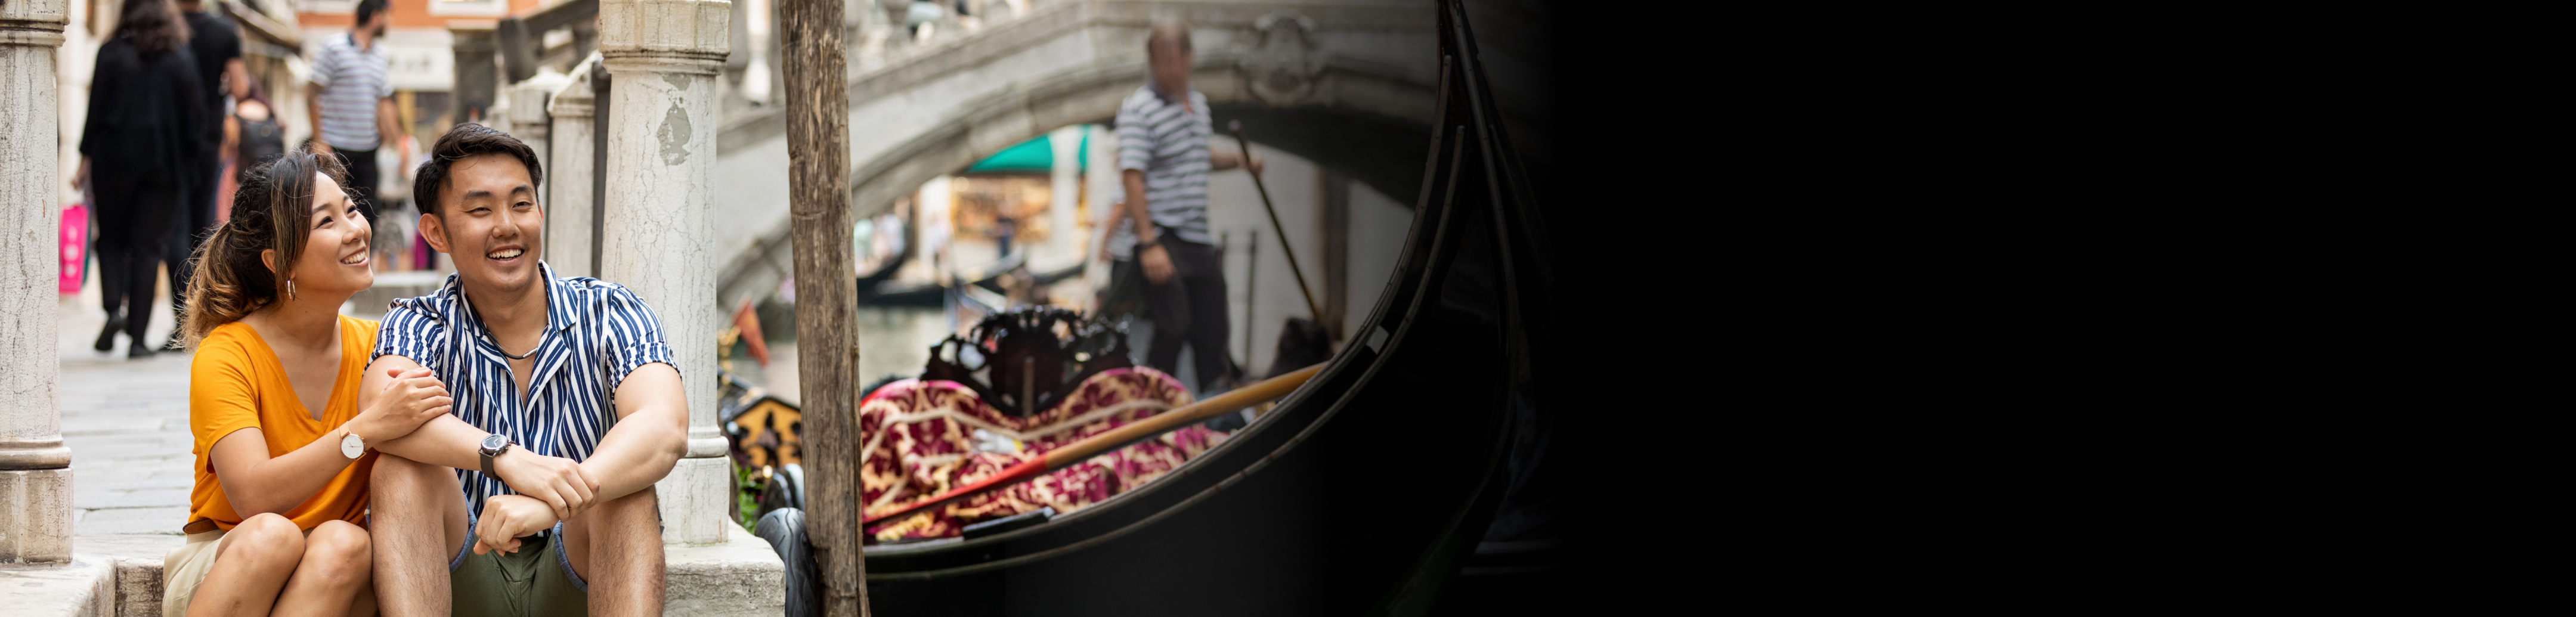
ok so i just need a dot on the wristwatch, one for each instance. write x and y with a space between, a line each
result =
352 446
493 446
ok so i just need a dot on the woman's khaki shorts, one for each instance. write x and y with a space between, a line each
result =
186 566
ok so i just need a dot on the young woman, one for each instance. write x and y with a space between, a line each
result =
282 433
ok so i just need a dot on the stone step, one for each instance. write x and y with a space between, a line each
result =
121 575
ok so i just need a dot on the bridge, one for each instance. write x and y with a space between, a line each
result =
1346 84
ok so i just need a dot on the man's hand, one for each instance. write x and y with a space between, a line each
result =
1253 165
320 147
506 518
1157 262
411 399
558 483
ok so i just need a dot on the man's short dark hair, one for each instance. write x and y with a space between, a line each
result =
368 8
468 140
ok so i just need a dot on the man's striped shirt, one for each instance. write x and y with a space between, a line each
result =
1170 144
596 334
348 82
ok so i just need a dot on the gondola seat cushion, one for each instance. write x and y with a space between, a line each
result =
922 438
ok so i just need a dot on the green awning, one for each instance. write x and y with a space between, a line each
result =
1032 155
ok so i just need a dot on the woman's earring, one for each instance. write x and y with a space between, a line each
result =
290 289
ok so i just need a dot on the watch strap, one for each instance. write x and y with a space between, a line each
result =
489 454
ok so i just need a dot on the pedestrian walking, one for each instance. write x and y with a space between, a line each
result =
217 45
140 149
1164 158
354 102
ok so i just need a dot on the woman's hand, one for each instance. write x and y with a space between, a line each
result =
412 398
506 518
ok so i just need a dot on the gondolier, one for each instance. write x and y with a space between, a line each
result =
1164 158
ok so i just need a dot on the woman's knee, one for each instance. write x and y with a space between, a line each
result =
264 541
339 551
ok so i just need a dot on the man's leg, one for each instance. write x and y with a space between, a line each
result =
362 180
616 547
1168 305
197 214
417 525
1209 318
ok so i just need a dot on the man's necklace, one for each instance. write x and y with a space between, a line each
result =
496 346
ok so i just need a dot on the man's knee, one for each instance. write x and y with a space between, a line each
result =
398 474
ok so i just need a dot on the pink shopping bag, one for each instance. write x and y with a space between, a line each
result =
75 247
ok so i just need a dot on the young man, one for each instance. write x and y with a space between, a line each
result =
352 102
567 409
1164 158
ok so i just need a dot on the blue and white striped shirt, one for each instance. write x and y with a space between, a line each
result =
1170 144
596 334
351 80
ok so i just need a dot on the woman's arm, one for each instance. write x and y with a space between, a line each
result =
257 483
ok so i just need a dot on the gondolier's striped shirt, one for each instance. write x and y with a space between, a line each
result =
596 333
1170 144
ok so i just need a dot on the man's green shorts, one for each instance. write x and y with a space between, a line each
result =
535 581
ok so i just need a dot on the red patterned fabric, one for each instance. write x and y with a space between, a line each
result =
919 440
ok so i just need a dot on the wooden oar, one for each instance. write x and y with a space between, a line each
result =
1313 310
1141 430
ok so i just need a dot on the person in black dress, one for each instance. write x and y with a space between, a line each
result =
140 152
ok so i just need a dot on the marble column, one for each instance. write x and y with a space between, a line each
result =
1063 181
35 468
568 175
664 56
525 117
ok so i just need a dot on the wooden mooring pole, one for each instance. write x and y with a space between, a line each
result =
815 64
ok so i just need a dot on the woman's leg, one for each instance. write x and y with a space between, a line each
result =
253 563
337 564
115 218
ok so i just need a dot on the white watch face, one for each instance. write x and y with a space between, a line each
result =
351 446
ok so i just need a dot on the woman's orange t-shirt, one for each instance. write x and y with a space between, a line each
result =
236 384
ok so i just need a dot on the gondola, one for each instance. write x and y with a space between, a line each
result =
1363 491
884 291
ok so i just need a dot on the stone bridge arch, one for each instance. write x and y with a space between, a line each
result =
1347 86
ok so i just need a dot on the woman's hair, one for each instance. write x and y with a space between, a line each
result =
152 26
269 211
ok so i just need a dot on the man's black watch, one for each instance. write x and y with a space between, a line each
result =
493 446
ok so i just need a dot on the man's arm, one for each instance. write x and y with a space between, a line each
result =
240 77
313 106
1220 159
651 434
1157 263
450 442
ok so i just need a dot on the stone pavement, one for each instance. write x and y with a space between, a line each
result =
126 422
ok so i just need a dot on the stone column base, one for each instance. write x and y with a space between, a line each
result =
36 516
85 587
697 501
